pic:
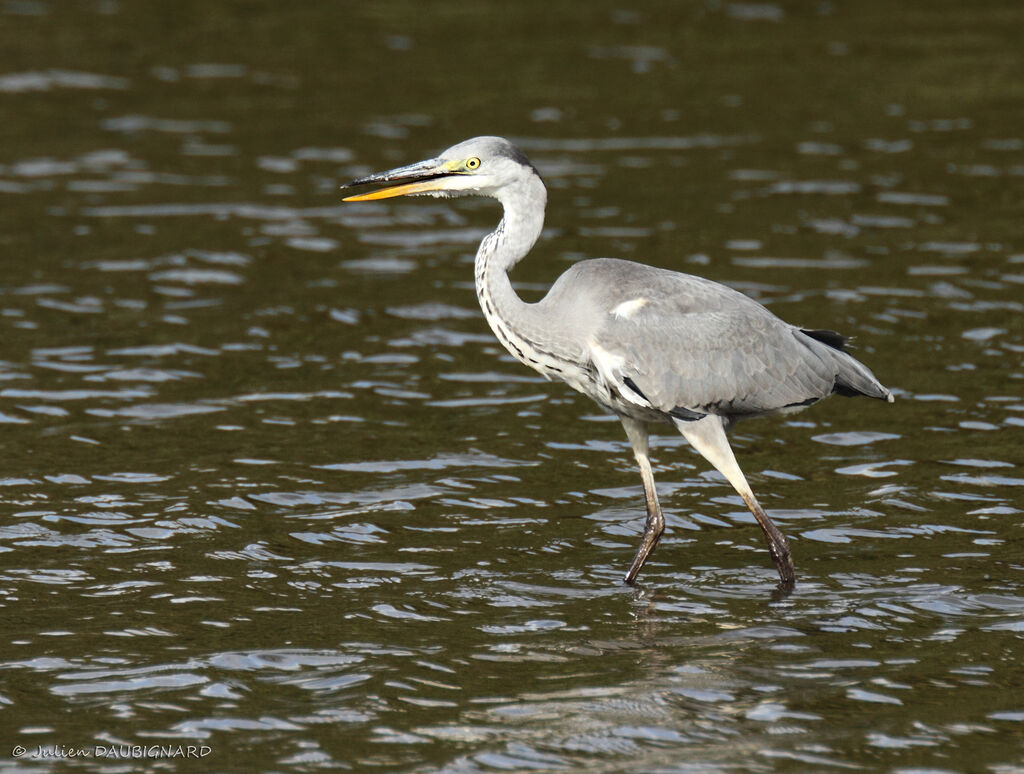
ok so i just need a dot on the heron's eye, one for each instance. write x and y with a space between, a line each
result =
472 163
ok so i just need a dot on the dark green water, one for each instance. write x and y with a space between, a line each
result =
270 487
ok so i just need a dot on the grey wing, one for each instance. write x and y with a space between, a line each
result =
687 347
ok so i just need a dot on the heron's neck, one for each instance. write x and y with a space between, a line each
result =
509 316
519 229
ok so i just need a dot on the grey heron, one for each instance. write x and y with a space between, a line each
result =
648 344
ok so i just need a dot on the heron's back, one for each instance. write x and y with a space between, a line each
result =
684 345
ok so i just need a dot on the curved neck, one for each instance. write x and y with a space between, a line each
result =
520 227
509 316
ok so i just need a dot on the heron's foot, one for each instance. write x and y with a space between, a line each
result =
653 530
782 557
646 547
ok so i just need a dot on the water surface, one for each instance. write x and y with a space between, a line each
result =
271 487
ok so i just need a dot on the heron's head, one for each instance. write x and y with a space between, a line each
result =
483 166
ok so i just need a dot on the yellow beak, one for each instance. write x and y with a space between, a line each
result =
397 190
421 177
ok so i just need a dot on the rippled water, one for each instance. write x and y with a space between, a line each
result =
272 490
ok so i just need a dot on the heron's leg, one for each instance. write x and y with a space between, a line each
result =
707 436
636 431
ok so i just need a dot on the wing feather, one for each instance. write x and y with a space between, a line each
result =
687 346
701 347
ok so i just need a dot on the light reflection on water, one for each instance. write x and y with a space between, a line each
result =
270 483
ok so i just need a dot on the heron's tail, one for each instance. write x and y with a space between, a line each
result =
853 378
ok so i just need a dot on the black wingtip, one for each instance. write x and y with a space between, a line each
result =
828 338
